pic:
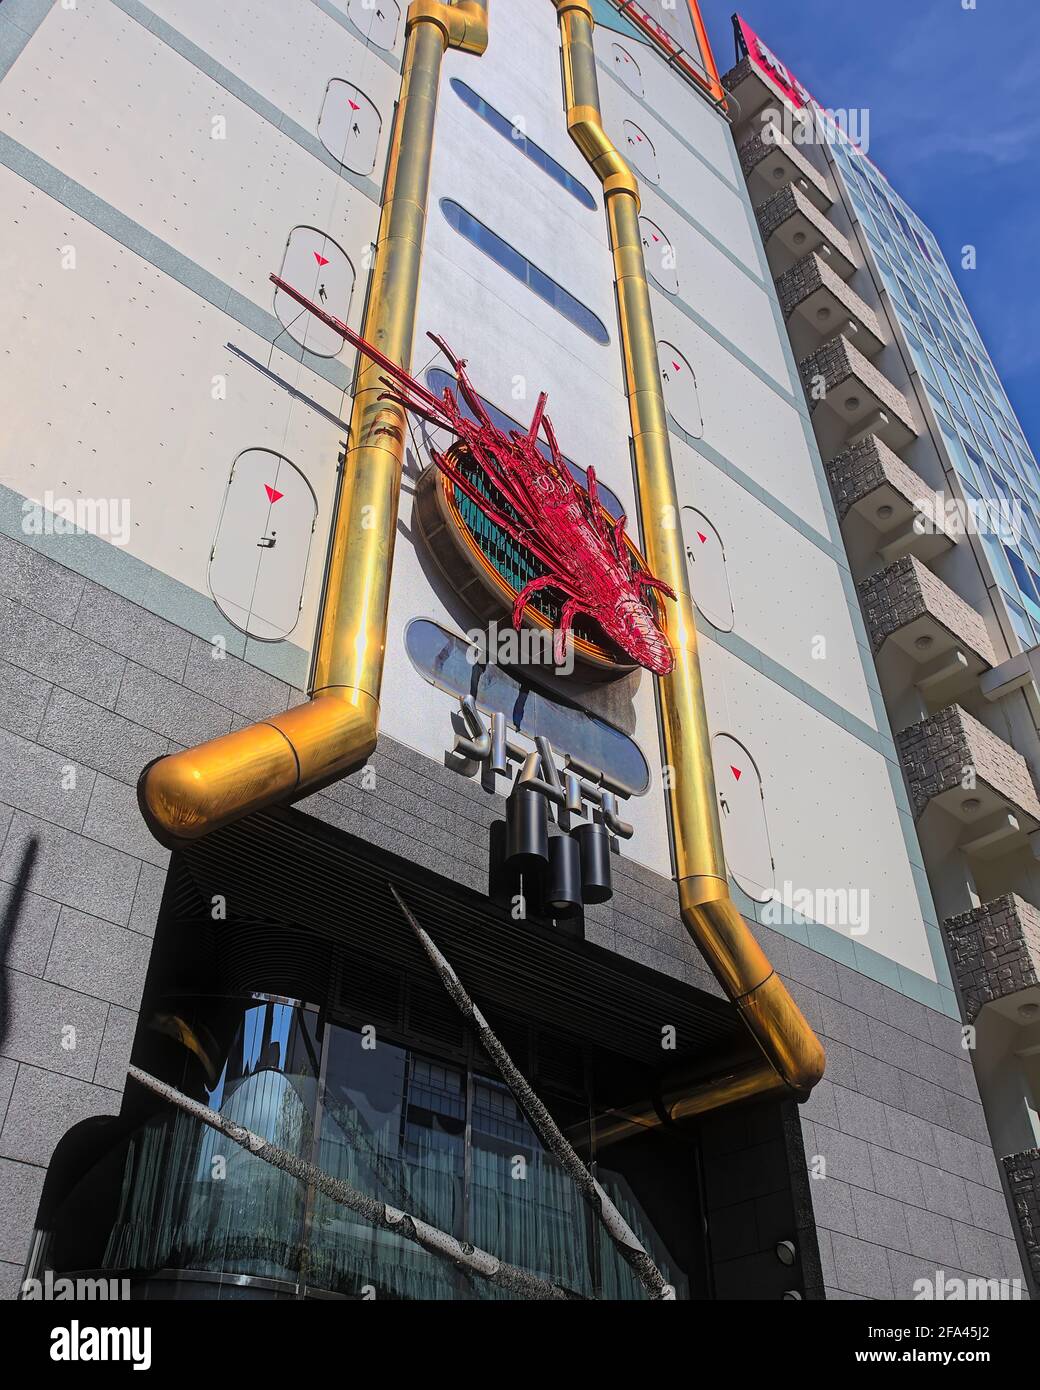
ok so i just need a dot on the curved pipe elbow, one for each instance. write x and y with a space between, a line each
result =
464 25
189 794
743 970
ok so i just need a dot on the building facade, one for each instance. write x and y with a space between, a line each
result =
263 688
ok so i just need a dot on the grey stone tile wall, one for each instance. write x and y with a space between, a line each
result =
911 1182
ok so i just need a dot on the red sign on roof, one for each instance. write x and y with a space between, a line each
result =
767 62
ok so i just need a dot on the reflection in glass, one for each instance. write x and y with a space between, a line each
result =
446 662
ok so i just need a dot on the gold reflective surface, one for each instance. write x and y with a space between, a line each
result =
793 1059
188 794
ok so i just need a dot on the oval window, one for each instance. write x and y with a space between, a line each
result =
318 268
378 20
742 811
627 69
709 580
641 151
258 563
659 255
349 126
446 661
680 389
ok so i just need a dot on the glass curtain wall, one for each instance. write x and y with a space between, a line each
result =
442 1140
983 436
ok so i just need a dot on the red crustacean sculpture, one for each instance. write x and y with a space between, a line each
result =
561 524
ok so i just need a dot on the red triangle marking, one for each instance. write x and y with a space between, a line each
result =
701 537
676 366
353 105
656 238
322 260
272 493
736 771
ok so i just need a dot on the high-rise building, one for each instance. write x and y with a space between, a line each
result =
277 762
936 489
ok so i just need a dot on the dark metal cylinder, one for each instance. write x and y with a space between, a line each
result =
594 843
563 893
527 829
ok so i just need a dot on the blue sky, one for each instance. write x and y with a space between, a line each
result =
954 126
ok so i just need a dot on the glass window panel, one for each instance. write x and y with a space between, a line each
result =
1020 622
527 146
519 266
445 661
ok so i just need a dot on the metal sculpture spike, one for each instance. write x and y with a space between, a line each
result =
561 524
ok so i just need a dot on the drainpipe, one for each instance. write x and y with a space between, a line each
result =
186 795
792 1059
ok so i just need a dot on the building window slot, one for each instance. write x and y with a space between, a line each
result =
524 270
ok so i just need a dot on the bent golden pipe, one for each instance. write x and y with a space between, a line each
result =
186 795
792 1058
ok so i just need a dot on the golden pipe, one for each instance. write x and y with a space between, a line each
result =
789 1046
188 794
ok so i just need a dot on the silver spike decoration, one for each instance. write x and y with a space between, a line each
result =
519 1282
617 1228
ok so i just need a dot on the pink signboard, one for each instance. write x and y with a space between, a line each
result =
778 73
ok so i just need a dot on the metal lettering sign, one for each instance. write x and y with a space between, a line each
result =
571 790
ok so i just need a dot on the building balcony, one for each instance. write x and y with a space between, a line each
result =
907 606
770 161
953 761
792 226
839 379
1022 1171
868 480
752 89
995 957
822 300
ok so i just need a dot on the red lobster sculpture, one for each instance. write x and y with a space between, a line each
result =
561 524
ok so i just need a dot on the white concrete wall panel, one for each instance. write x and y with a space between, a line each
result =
671 98
706 559
829 803
720 291
350 126
229 204
660 255
259 562
787 592
626 66
289 57
108 392
686 179
744 419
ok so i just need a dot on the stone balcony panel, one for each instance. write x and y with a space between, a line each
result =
770 161
907 606
952 760
789 220
837 377
868 480
1022 1171
821 299
994 954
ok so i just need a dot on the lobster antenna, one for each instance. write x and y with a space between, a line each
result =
536 422
355 340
